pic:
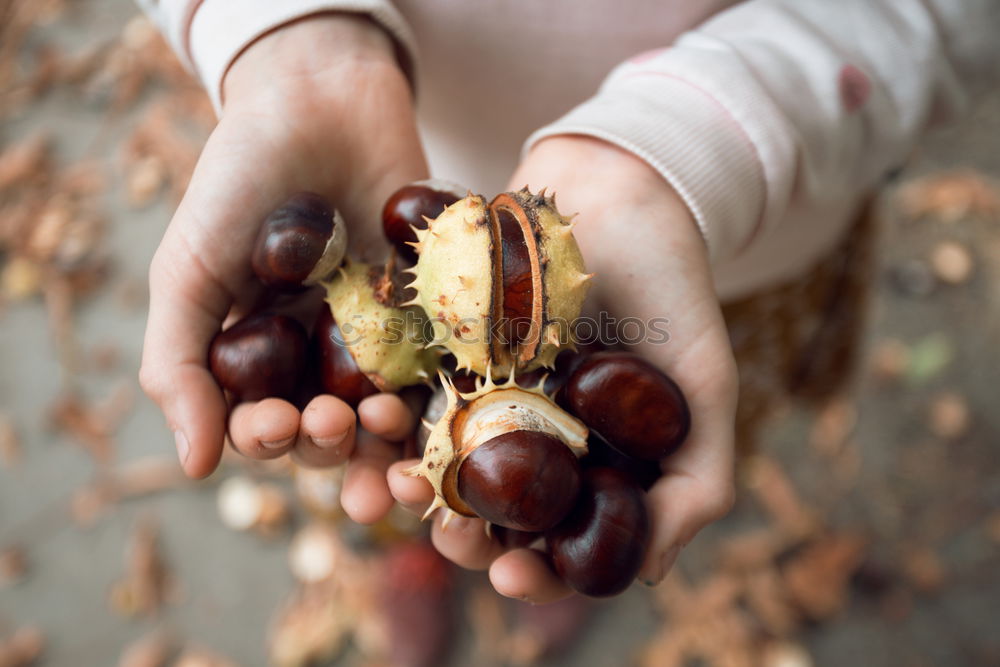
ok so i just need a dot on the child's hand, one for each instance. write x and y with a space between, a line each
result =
638 236
319 105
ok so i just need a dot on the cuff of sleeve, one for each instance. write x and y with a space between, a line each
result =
691 140
220 30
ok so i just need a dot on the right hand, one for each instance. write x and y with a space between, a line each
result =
318 105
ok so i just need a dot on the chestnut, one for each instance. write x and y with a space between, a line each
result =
260 356
599 547
630 403
338 372
524 480
602 455
408 206
299 244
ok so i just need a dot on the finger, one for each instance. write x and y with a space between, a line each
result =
198 272
365 496
387 416
264 429
697 488
184 314
525 574
414 494
326 433
464 541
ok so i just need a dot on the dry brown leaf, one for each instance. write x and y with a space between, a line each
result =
146 585
923 569
833 425
949 417
26 163
752 550
13 566
312 627
767 598
21 279
23 648
10 442
126 481
817 577
150 650
202 657
775 492
890 359
951 196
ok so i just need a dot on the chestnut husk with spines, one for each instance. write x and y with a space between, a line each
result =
516 314
363 300
508 411
411 206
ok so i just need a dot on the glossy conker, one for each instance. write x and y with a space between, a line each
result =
633 405
338 372
524 480
599 547
299 244
408 206
261 356
602 455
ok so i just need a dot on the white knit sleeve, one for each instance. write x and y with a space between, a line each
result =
781 102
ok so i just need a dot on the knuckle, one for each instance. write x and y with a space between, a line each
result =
149 381
721 502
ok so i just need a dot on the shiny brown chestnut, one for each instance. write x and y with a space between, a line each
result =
599 547
407 207
338 372
602 455
633 405
261 356
524 480
299 244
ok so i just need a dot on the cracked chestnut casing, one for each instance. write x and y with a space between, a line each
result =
489 416
501 281
384 336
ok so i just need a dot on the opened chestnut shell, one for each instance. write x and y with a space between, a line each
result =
524 480
630 403
338 372
299 244
259 357
599 547
406 208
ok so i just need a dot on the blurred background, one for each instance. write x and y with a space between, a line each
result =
866 532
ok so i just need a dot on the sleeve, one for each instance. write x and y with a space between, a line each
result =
780 103
208 35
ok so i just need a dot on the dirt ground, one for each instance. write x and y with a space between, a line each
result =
865 534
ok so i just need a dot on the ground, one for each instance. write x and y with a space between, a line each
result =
894 488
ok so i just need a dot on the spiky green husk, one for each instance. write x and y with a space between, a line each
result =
472 419
385 341
454 282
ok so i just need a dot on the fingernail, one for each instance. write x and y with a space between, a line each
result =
328 443
183 446
276 444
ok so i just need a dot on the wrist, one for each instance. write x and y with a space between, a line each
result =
614 182
321 55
